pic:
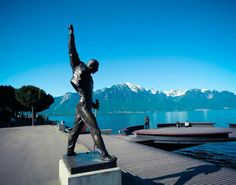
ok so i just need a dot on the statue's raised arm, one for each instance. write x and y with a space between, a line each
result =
74 57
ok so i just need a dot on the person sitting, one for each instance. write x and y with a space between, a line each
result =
187 124
178 124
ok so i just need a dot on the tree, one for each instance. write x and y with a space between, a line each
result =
7 97
33 99
8 103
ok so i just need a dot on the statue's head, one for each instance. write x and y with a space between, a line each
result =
93 65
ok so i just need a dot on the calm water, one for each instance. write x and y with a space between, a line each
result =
220 153
119 121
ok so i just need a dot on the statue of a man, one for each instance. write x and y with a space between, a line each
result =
82 82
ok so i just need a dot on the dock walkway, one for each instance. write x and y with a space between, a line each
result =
145 165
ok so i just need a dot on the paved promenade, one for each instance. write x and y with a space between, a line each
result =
30 155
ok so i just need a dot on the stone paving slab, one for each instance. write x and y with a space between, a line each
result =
30 155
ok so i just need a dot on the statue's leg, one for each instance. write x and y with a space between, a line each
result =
74 134
91 123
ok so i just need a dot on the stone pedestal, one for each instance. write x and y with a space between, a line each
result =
88 169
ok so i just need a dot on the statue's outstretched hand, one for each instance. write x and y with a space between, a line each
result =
71 29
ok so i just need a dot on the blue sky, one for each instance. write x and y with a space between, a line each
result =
171 44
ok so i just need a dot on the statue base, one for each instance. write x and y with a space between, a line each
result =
87 168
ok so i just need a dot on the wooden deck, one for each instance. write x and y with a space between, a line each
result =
186 135
232 125
145 165
193 124
184 131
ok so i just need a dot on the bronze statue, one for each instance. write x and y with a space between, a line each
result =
82 82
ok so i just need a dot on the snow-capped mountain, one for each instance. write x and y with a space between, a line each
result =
175 93
131 97
66 97
137 88
134 87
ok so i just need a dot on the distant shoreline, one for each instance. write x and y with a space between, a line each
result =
142 112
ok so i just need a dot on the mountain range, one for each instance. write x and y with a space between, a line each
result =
128 97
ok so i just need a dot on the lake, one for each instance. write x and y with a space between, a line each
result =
117 122
223 154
